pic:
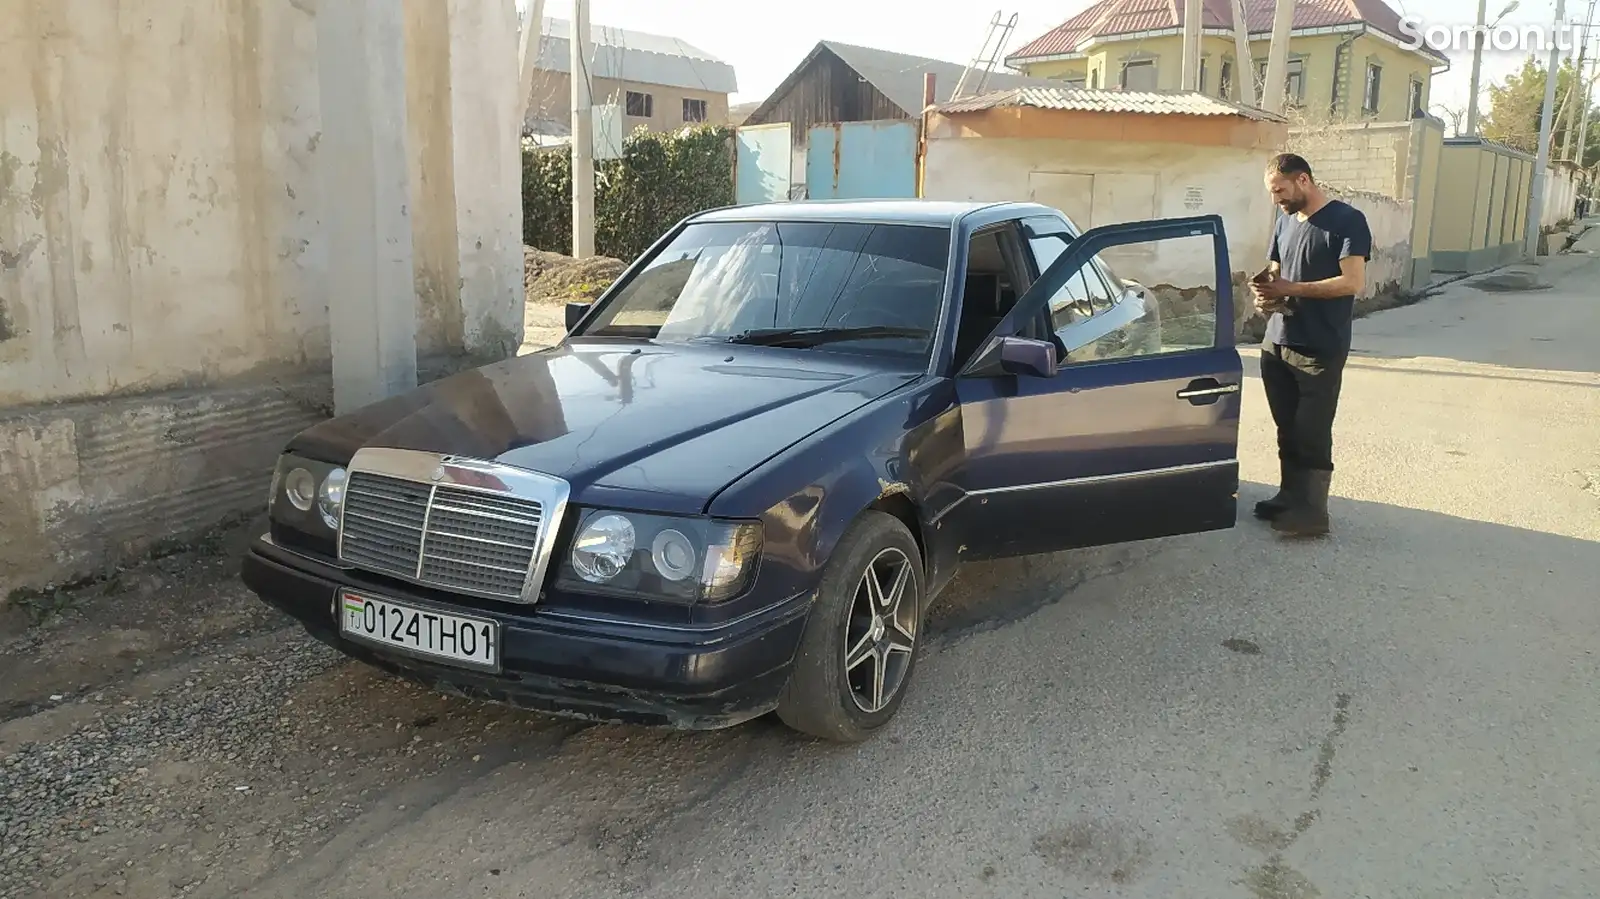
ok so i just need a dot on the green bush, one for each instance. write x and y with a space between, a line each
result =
660 179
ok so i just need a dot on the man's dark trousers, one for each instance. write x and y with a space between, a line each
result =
1303 394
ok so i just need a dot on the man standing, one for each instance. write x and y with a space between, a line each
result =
1316 267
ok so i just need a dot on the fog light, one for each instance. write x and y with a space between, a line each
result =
673 555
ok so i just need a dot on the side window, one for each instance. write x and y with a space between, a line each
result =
1100 296
1085 295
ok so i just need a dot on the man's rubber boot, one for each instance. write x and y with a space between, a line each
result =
1307 516
1288 485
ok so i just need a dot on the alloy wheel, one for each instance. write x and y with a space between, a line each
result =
881 632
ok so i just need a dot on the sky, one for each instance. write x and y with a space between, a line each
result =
764 40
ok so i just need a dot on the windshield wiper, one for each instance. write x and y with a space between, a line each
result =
806 337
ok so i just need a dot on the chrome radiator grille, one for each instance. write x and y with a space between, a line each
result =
443 535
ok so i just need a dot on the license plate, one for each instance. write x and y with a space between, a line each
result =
427 633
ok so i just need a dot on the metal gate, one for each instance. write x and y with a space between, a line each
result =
763 163
862 160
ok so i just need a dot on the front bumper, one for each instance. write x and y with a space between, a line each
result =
696 679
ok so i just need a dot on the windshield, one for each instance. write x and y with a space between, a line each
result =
740 281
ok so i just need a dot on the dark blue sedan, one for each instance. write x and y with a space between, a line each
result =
739 482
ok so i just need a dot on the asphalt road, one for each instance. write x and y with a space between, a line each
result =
1405 709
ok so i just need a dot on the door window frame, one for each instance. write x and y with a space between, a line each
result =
1121 314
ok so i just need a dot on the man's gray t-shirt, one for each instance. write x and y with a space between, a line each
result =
1311 251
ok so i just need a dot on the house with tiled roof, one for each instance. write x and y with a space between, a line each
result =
1348 59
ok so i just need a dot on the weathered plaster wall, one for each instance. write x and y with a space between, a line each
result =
156 222
159 207
1389 271
163 262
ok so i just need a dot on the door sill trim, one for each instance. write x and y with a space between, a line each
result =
1105 478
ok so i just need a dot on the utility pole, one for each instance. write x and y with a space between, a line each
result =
528 54
582 134
1272 92
1191 46
1244 67
1570 131
1583 127
1477 68
1536 194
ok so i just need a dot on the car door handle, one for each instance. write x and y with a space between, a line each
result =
1206 387
1218 390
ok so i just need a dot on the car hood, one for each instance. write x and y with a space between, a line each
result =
626 423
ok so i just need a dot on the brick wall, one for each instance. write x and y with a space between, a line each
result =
1362 157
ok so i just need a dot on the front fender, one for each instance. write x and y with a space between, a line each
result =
899 446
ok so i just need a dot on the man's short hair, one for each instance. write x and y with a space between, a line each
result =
1290 164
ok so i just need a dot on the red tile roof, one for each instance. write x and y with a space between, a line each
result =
1110 18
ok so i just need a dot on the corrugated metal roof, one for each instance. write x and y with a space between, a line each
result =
898 76
1086 100
1110 18
638 56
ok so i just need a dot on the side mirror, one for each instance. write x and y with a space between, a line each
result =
575 314
1022 356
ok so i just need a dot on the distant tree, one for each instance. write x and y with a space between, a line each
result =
1516 104
1454 116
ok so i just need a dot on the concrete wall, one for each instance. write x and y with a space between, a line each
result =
1389 273
1480 205
1424 197
157 225
1560 196
160 206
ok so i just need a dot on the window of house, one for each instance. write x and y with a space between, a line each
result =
1416 98
640 105
1094 79
1139 75
694 110
1225 82
1203 72
1294 80
1369 100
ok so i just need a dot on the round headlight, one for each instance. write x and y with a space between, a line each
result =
301 489
673 555
602 549
330 499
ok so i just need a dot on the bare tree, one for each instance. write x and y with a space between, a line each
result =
1455 115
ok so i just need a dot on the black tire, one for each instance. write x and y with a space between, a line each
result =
826 697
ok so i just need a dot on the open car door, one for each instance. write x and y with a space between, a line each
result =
1126 429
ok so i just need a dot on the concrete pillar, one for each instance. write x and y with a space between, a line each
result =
372 305
1272 92
486 127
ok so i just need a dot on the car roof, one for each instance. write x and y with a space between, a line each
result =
944 213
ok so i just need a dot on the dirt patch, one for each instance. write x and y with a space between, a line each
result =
551 278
